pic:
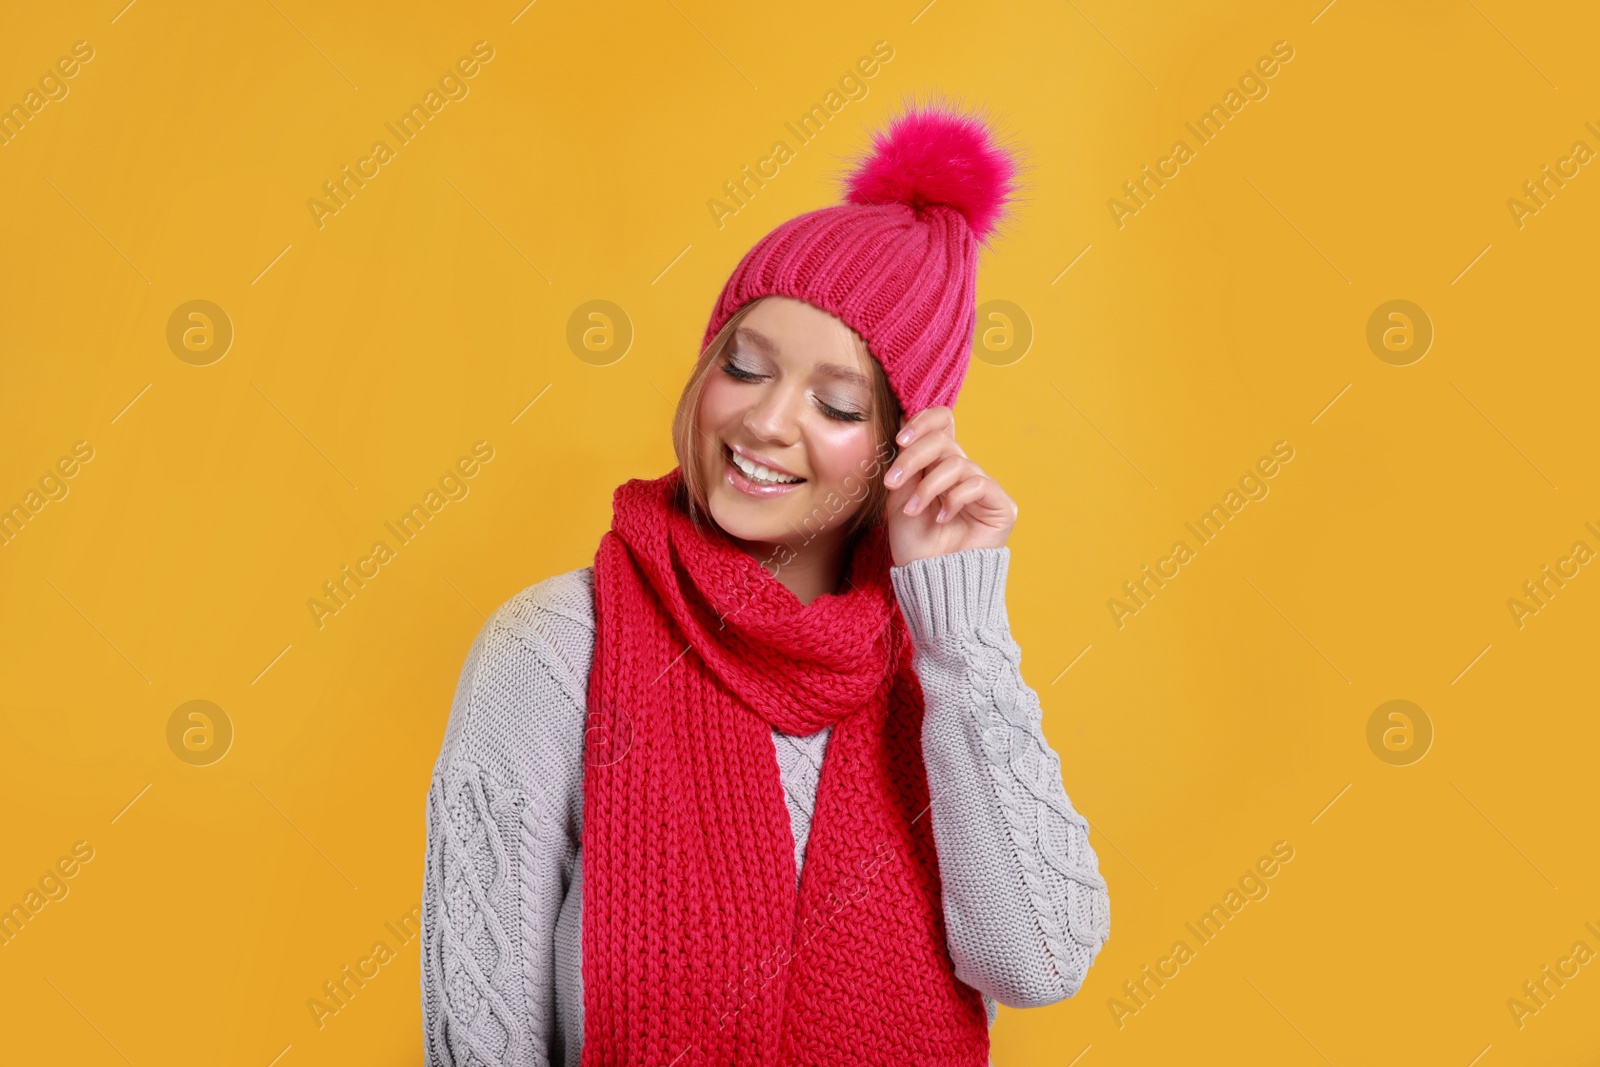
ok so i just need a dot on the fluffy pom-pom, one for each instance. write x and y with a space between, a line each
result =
934 155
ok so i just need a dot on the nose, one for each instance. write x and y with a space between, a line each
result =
772 415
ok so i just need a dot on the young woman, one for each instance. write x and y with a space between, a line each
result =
764 785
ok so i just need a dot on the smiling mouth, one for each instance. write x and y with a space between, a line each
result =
752 476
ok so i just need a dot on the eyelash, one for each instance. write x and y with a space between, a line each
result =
742 375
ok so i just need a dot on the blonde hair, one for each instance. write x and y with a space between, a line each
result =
686 432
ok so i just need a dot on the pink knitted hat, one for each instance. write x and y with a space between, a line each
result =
898 261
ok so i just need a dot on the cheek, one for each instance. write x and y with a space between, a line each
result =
841 450
719 404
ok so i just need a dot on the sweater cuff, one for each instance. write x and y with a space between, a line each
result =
954 595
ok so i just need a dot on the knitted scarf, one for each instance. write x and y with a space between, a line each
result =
698 947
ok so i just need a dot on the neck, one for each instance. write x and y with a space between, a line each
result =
808 570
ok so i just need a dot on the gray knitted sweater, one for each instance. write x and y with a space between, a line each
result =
1026 910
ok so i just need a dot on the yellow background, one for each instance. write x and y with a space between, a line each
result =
1229 313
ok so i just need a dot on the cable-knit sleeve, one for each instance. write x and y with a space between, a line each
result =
1026 910
503 829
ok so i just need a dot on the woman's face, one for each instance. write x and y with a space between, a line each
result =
794 391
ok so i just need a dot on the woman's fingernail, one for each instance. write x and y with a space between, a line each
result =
906 436
893 477
941 515
911 505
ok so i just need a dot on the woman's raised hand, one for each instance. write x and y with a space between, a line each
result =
940 501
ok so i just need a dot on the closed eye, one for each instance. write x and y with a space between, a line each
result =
842 416
740 374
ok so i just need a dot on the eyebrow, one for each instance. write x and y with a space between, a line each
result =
834 370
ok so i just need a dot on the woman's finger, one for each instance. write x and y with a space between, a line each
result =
970 490
926 449
949 471
926 421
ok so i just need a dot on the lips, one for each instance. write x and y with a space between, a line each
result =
738 480
763 461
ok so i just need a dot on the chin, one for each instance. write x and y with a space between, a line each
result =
789 518
766 521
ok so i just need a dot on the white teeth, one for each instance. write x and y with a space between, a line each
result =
757 473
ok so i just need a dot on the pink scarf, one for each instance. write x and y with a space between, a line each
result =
697 947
